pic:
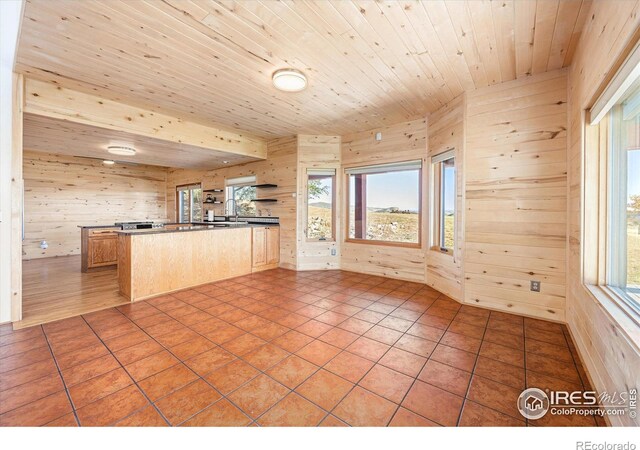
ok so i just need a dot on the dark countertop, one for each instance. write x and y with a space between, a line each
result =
188 228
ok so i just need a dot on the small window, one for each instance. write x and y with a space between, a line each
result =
384 203
320 204
444 201
623 272
242 192
189 203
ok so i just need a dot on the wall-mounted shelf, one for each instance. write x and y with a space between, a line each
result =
212 203
265 185
264 200
213 190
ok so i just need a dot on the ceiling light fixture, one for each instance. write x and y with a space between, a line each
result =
289 80
120 150
225 162
108 162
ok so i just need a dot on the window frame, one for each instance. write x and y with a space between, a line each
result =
437 189
596 258
333 178
229 187
347 196
187 188
617 235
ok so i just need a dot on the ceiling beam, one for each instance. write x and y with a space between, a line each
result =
51 100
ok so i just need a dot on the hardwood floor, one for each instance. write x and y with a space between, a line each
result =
54 288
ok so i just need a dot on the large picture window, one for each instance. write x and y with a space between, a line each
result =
623 271
189 203
242 192
320 204
385 203
444 200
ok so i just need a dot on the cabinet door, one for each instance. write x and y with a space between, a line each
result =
273 245
259 246
103 251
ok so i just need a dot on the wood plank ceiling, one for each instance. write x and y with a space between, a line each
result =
369 63
62 137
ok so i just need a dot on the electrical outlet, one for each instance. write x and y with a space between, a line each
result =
535 286
333 252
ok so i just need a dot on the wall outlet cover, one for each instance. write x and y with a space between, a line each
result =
535 286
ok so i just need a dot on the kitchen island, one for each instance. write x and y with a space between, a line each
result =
157 261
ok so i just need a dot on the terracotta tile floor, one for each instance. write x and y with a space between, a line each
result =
283 348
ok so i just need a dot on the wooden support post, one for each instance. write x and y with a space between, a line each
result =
17 196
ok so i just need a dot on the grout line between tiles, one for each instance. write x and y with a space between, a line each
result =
135 383
280 282
64 383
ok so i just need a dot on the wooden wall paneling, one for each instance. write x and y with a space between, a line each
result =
17 196
515 188
62 192
610 354
50 100
400 142
319 152
444 272
279 168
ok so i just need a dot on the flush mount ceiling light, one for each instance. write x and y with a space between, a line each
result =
289 80
120 150
108 162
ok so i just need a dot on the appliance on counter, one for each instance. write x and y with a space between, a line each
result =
138 225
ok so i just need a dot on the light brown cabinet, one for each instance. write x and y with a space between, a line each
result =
99 247
266 248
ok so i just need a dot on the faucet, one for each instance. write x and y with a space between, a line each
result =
235 207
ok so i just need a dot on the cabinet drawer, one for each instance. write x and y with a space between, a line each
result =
103 232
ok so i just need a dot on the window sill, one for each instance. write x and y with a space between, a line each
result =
443 252
385 243
623 315
320 241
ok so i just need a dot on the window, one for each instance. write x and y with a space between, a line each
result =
242 191
189 203
623 271
320 201
384 203
444 200
610 251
